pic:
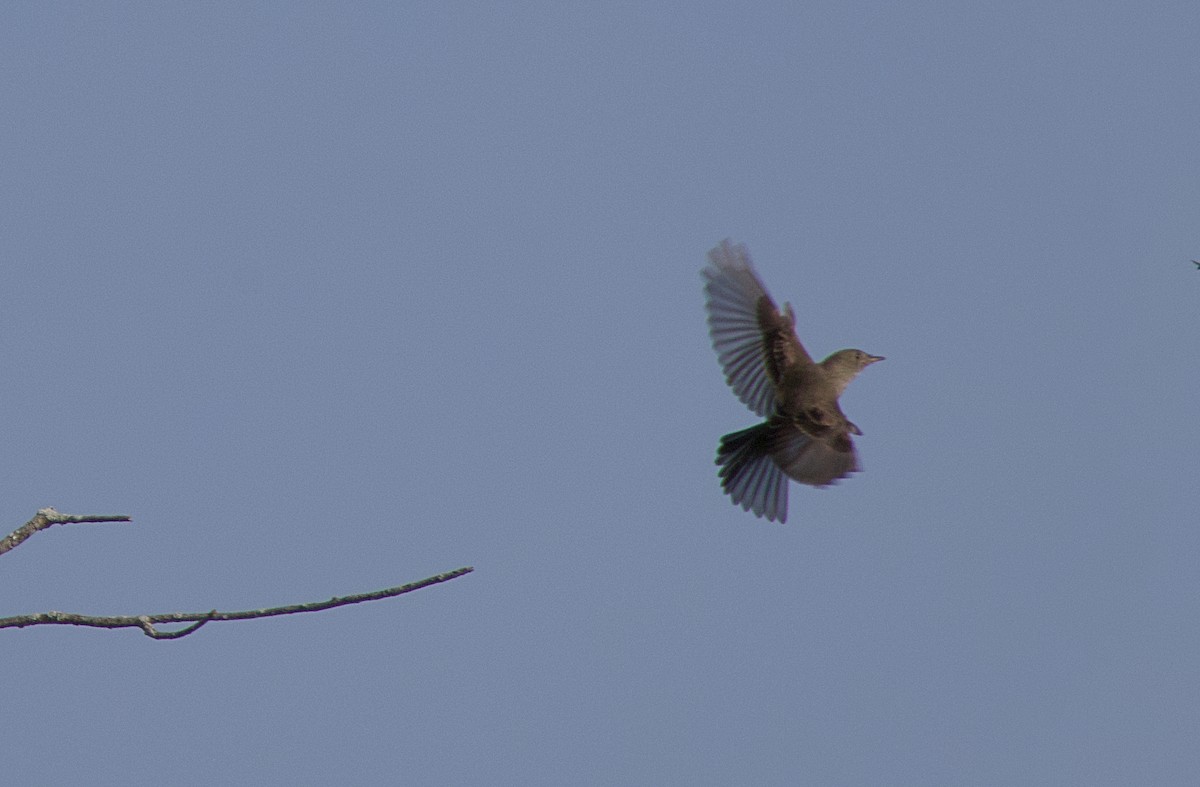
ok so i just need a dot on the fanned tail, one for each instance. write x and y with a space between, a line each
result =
750 476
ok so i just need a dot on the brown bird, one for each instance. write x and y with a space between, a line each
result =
806 436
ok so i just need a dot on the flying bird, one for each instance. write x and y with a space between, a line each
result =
806 436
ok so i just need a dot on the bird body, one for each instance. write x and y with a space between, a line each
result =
806 436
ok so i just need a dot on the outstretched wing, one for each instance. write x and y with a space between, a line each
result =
816 461
754 342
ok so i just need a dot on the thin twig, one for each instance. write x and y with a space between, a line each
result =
46 517
147 623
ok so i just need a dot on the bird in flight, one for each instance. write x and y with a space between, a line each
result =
806 436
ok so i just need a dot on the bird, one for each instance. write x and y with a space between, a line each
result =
806 437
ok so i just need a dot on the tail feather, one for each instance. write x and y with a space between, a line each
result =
750 476
756 464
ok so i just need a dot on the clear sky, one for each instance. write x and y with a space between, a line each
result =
331 297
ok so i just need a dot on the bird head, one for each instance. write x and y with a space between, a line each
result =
844 365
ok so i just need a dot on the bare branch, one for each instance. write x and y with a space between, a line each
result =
46 517
147 623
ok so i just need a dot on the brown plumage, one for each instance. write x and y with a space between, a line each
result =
806 436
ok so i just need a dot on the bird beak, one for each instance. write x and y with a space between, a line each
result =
874 358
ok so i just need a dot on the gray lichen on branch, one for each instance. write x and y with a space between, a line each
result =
45 517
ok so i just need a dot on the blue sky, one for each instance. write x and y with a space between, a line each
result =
335 297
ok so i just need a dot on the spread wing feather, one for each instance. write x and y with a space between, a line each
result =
754 342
